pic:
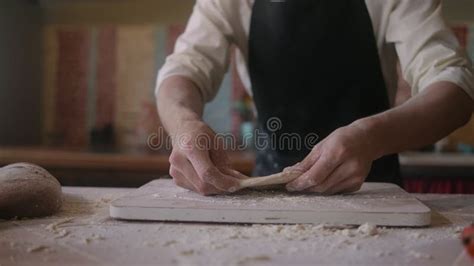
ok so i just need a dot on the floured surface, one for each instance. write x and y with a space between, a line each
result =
378 203
83 234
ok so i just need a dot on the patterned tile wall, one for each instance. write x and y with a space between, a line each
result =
99 83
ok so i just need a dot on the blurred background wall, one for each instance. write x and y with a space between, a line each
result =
20 72
100 65
81 72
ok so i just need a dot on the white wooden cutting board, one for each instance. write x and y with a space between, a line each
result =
377 203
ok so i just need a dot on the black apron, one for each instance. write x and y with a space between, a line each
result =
314 67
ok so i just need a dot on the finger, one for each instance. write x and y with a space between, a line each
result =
341 173
222 162
180 180
310 159
198 182
321 170
188 171
183 165
209 173
200 187
234 173
211 181
180 164
220 180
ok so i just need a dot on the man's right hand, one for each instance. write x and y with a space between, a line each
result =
199 162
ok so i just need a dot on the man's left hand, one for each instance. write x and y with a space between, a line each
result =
338 164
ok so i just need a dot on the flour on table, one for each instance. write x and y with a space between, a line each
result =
253 260
188 252
170 243
417 235
346 232
93 237
62 233
302 239
368 229
302 232
384 253
275 198
419 255
39 248
53 227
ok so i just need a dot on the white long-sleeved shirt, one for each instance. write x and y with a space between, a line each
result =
411 30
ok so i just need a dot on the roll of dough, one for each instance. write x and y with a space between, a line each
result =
27 190
270 181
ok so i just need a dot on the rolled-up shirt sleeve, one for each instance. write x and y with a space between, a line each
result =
201 53
428 50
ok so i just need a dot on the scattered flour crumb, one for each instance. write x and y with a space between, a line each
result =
347 232
170 243
417 235
419 255
62 233
35 249
53 227
102 201
105 200
93 237
218 246
458 229
302 232
97 237
254 259
279 228
320 226
188 252
368 229
384 253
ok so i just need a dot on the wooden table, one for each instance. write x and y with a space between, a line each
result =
83 234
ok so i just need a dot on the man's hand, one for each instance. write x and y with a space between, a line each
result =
338 164
199 163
